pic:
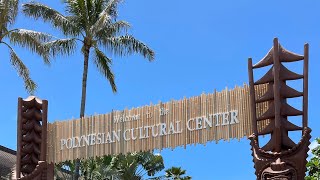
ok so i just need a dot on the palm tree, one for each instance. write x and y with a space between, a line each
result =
25 38
132 166
94 24
90 169
98 168
135 166
176 173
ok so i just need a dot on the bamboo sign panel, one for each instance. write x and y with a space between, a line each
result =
209 117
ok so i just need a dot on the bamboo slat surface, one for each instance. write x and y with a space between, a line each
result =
104 134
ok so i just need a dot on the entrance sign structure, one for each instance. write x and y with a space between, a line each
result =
280 158
258 109
197 120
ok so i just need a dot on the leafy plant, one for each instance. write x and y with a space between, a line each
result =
313 166
136 165
176 173
94 25
32 40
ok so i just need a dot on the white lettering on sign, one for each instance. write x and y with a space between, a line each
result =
119 119
216 116
150 131
226 118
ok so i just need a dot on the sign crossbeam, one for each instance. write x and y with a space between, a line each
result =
215 116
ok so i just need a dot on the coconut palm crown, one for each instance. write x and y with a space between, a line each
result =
94 24
176 173
137 165
32 40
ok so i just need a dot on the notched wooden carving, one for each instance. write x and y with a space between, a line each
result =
281 158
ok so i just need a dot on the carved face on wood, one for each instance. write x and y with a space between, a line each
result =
288 173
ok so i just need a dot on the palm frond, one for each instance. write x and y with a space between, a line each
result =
111 7
106 16
14 4
2 5
157 178
150 162
96 9
127 45
90 10
2 17
37 10
25 33
3 31
112 29
22 70
176 173
61 46
78 8
32 40
5 17
8 11
103 64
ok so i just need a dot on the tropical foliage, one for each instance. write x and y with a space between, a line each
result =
133 166
176 173
137 165
93 24
31 40
313 166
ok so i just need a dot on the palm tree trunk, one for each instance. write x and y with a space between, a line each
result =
84 81
86 52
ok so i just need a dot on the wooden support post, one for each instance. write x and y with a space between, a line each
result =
19 141
277 100
252 98
50 171
305 85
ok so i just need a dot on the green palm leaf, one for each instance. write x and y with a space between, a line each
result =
5 17
111 30
137 165
61 46
65 24
107 15
8 11
78 8
176 173
127 45
95 23
22 70
32 40
151 163
14 9
103 64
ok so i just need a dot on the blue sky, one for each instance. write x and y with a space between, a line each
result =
200 46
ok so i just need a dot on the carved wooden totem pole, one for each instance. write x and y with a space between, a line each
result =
32 140
280 158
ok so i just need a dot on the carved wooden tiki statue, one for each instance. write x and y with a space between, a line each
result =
32 140
281 158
